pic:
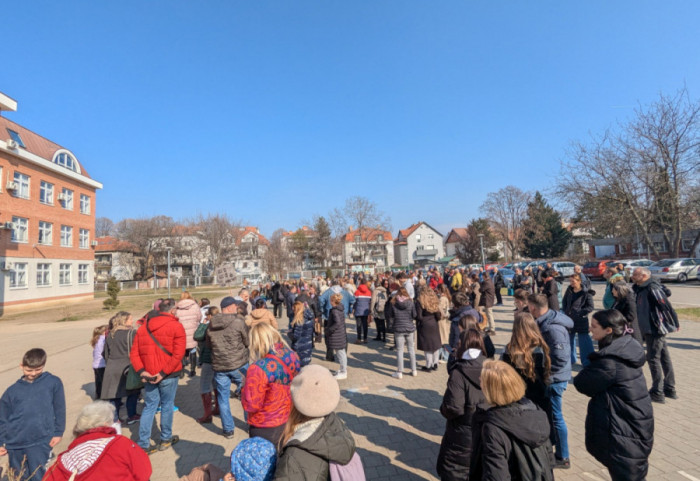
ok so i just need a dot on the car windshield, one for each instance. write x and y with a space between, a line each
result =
665 263
507 272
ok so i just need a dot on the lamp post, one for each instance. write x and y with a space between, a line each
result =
169 250
483 259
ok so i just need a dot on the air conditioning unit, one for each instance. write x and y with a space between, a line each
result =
11 185
11 144
7 225
93 243
7 266
62 197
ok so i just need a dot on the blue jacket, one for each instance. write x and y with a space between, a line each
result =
325 300
301 336
362 304
555 327
32 413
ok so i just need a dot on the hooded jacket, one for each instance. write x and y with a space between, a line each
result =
363 299
306 457
620 419
336 336
459 404
325 300
147 356
555 327
403 313
261 315
511 443
228 337
578 305
189 314
301 337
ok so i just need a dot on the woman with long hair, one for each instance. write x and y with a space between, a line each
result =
189 314
265 396
578 304
444 323
301 332
117 348
427 317
626 304
336 337
97 342
528 353
620 419
459 404
403 312
206 378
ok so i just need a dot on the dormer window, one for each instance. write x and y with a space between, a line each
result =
64 159
16 137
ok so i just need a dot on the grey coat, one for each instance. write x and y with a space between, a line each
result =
117 361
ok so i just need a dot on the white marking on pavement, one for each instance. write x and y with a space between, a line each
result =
686 475
593 476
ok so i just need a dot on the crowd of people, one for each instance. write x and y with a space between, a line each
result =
504 418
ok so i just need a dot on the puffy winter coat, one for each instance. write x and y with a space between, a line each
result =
428 329
307 455
261 315
228 337
336 336
363 299
459 403
189 314
266 396
402 314
147 356
628 307
578 305
117 458
555 327
301 337
620 419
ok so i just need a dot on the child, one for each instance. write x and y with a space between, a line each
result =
336 336
301 332
98 361
32 416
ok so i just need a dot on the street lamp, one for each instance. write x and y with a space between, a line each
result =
169 250
483 259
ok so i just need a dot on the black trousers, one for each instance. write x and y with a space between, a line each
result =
499 297
277 310
271 434
362 327
381 328
660 365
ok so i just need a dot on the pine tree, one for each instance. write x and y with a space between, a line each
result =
544 236
112 291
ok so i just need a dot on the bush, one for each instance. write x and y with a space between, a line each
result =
329 274
112 291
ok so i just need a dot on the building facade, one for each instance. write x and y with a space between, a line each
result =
115 258
418 245
47 218
368 249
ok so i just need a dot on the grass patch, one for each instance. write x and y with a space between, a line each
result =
690 313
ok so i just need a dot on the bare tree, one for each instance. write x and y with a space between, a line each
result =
364 217
218 237
506 210
645 170
103 227
276 256
144 234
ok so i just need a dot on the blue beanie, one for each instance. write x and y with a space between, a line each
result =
254 459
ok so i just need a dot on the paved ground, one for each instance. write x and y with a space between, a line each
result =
396 423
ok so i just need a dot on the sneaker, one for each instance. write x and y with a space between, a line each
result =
397 375
435 367
426 368
657 397
562 463
228 434
236 395
153 448
133 419
166 444
414 373
671 394
359 341
341 375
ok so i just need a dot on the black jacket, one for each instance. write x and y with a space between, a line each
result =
535 390
628 308
550 289
459 403
498 281
336 336
655 314
403 313
511 443
578 305
620 420
275 295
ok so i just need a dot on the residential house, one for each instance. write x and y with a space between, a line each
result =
628 247
249 256
116 258
369 248
418 245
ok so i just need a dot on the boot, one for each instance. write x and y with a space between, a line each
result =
206 402
215 411
193 362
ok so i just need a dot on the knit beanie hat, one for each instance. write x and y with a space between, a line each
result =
315 392
254 459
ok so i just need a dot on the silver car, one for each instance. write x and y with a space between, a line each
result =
632 264
675 269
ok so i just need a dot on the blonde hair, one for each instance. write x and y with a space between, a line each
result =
118 322
263 338
96 333
298 309
501 384
429 300
185 295
336 299
293 421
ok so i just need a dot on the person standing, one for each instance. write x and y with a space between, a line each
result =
444 323
550 288
427 317
206 379
620 419
611 276
498 284
363 300
301 332
488 296
157 353
656 318
626 304
554 327
336 335
277 299
380 297
403 312
585 281
228 337
190 315
578 304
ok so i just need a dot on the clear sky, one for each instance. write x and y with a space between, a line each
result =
272 111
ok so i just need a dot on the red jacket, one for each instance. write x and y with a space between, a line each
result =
118 458
147 356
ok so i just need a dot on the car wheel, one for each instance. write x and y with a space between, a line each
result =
682 277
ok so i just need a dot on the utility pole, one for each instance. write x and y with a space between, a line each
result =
169 250
483 259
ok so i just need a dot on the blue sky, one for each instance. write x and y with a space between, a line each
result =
273 111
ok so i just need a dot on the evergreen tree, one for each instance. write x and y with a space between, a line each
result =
469 249
112 291
544 236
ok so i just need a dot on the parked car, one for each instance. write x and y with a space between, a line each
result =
565 269
595 269
632 264
507 276
675 269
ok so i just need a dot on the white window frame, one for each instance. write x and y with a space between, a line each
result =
686 244
84 239
23 182
43 274
66 236
45 228
431 248
20 234
46 192
19 271
430 236
68 203
661 247
417 237
83 273
84 204
64 275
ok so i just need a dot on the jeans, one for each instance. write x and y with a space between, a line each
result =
409 339
454 335
361 327
154 395
342 355
660 364
223 394
585 346
131 401
34 459
558 434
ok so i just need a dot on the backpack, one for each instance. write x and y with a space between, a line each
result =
353 471
380 304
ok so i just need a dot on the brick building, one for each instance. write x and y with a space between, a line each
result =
47 218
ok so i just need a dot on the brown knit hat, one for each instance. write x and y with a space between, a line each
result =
315 392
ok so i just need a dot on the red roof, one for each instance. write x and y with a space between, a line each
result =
368 233
307 230
250 229
33 142
112 244
459 232
409 231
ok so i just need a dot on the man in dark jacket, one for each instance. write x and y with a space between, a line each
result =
550 288
498 284
277 299
156 355
228 337
488 296
656 318
555 327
